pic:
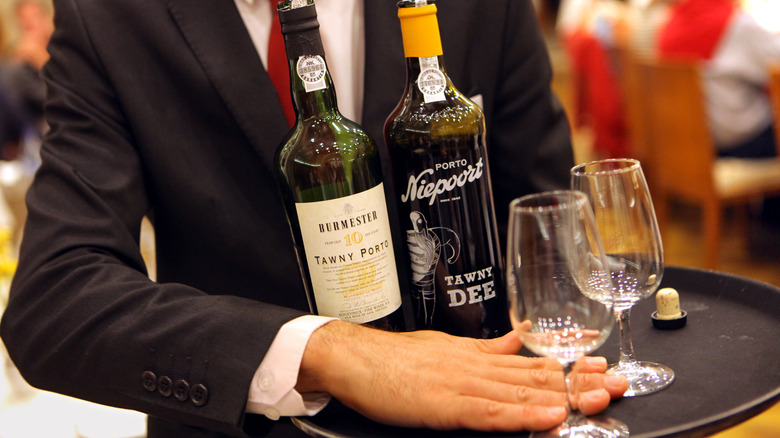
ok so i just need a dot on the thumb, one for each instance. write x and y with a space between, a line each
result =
510 343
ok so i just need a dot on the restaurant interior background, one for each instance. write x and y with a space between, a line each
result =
746 249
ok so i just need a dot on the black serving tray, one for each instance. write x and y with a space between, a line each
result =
725 361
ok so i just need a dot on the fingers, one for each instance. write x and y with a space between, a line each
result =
524 394
510 343
591 364
614 385
525 372
476 413
431 379
543 373
592 402
502 381
544 388
511 407
595 389
480 414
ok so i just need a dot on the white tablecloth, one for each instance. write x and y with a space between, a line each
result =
26 412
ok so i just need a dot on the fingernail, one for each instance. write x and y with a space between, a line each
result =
615 381
595 360
592 396
557 411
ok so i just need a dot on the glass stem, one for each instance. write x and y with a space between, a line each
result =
574 415
626 344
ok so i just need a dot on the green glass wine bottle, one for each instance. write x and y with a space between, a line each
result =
332 185
436 142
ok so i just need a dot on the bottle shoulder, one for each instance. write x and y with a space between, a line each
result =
320 139
456 115
335 130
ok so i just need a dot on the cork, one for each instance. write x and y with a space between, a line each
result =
667 300
668 314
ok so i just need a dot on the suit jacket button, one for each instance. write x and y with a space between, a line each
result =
181 390
149 380
199 394
165 386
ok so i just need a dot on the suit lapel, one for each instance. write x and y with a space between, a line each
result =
218 38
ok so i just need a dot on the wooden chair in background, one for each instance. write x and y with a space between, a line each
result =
685 166
633 96
774 92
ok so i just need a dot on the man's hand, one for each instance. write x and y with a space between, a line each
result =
431 379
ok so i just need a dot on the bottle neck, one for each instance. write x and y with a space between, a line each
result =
310 82
312 87
426 78
425 71
414 66
420 30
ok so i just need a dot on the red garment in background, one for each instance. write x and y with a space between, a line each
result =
694 29
598 96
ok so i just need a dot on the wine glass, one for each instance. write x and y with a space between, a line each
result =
559 288
626 220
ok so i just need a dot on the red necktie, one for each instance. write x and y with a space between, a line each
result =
278 68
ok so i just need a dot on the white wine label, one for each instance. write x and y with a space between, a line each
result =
350 256
431 81
311 70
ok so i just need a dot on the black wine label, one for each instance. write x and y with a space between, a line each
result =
426 185
455 270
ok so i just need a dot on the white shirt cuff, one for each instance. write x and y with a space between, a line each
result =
272 392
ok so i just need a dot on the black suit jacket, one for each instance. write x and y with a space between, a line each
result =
163 108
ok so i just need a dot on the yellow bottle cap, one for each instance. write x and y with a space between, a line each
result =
420 30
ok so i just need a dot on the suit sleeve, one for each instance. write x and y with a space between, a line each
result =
83 317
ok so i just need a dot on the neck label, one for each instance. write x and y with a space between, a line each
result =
311 70
431 81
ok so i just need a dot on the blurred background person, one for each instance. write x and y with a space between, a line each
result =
20 72
11 119
29 25
590 31
766 12
11 126
644 20
735 52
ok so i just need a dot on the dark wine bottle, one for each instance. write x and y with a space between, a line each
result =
332 186
436 141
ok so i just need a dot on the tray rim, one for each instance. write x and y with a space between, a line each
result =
697 428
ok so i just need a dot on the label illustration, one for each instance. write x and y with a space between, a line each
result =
350 256
425 247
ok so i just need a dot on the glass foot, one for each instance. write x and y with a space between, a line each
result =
643 377
598 427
